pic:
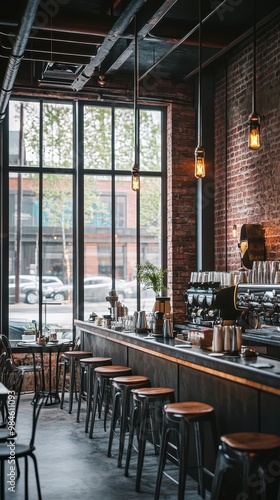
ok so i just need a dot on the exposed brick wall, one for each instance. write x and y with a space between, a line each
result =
181 213
247 182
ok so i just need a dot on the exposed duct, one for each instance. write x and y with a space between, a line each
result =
120 25
17 54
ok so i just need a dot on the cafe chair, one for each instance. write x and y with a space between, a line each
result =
12 378
3 358
35 369
22 450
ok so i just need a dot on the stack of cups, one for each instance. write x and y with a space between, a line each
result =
227 338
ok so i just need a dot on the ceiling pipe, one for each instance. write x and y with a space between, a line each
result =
17 54
120 25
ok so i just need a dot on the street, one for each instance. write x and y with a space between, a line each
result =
60 313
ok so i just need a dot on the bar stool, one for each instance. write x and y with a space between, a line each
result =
256 456
87 366
70 359
147 415
122 387
177 418
103 389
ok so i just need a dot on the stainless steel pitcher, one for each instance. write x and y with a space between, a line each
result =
141 324
167 328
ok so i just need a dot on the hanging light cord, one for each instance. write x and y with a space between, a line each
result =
254 57
136 95
199 77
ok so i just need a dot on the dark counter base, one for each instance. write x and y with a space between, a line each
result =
245 398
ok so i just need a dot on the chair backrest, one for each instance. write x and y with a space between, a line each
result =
3 357
5 346
12 378
38 402
77 344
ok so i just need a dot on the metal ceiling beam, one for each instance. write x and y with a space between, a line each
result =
88 27
187 36
120 25
17 54
159 9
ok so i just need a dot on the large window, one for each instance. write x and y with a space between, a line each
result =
68 180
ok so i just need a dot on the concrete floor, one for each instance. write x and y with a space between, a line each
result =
71 466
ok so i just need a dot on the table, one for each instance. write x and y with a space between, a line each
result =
52 394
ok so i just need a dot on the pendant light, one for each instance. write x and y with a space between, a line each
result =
254 119
199 153
135 178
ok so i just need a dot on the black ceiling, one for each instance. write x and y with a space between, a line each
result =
83 45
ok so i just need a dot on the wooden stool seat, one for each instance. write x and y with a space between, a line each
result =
189 409
147 415
250 454
77 354
154 392
87 366
130 380
178 420
113 370
251 441
122 387
103 389
94 359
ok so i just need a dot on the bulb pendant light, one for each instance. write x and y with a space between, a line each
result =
135 179
254 119
199 153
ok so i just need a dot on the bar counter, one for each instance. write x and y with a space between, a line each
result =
244 392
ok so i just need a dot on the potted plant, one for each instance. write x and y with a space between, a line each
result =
151 276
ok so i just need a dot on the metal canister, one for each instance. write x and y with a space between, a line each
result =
236 339
218 339
227 337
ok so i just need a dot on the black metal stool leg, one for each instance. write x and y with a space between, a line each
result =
198 433
115 413
82 380
123 426
144 423
94 405
133 423
162 459
63 384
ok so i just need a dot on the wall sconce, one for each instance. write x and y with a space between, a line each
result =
234 231
199 154
135 179
254 119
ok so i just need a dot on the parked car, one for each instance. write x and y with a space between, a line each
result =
96 289
29 286
130 288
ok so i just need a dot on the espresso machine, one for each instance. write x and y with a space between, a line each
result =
258 305
209 303
250 305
